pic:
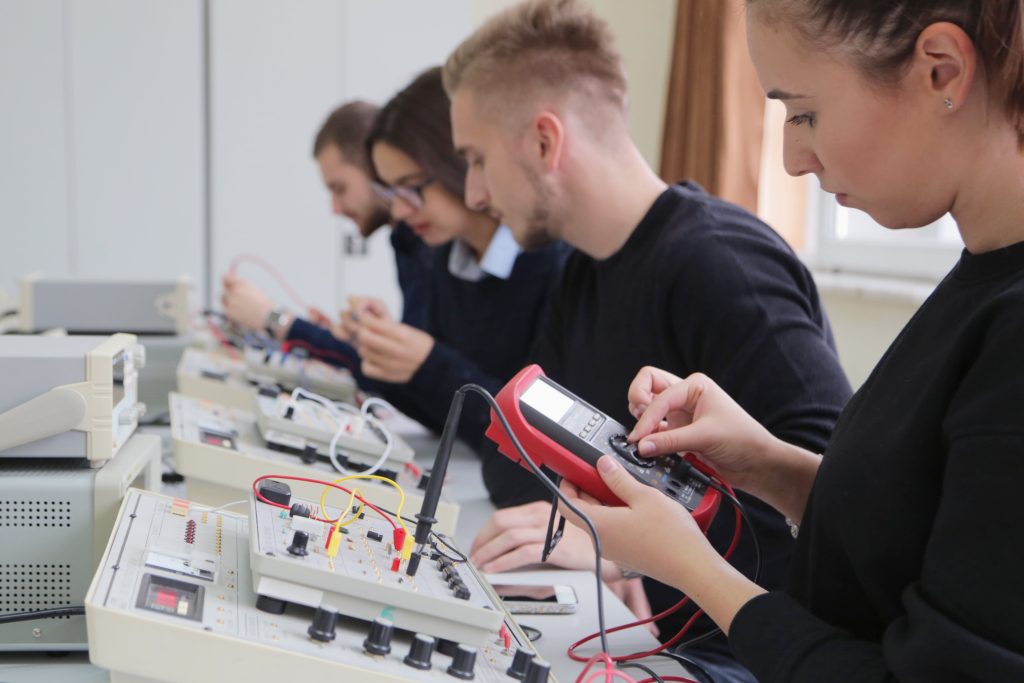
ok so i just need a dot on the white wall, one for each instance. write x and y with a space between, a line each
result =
34 211
644 32
867 313
100 151
275 71
103 147
135 74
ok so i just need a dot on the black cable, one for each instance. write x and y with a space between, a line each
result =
646 669
432 495
42 614
8 313
550 485
531 632
441 538
698 639
691 665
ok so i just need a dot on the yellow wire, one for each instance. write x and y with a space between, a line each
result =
373 477
348 506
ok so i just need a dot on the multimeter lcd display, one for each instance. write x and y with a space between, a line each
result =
548 401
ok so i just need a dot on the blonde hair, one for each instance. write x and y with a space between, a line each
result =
557 46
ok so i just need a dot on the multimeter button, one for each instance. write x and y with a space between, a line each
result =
628 451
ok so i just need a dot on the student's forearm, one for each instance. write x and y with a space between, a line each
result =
787 479
716 587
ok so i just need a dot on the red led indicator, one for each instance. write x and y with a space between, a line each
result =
166 598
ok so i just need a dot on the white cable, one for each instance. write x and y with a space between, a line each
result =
220 507
335 409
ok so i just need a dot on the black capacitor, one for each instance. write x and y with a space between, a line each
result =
276 491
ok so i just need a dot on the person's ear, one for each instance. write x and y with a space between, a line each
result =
549 139
950 60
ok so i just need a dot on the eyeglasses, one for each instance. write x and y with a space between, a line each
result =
410 194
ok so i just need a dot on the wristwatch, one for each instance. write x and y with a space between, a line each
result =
278 320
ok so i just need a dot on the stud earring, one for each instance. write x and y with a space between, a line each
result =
948 102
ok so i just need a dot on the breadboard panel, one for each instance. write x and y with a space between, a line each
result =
292 370
223 446
367 577
173 601
308 424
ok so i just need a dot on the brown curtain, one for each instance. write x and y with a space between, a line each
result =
715 113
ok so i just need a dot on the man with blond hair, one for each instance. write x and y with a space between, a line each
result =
662 275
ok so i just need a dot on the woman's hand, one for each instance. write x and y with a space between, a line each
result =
359 308
245 304
651 533
391 351
695 415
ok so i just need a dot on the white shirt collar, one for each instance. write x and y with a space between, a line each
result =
498 259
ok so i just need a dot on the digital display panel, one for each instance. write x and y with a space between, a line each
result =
168 596
547 400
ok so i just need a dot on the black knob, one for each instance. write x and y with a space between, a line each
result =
537 672
420 652
324 621
298 546
463 662
520 660
629 451
308 455
379 640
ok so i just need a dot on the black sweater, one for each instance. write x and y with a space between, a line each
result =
908 563
700 285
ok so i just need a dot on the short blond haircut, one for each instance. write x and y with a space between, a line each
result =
555 46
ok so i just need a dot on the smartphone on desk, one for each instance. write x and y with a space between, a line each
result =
537 599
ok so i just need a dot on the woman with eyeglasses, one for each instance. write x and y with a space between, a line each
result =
487 294
907 565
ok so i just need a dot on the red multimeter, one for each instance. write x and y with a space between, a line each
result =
567 435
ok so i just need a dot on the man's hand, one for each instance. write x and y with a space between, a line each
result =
514 538
245 304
